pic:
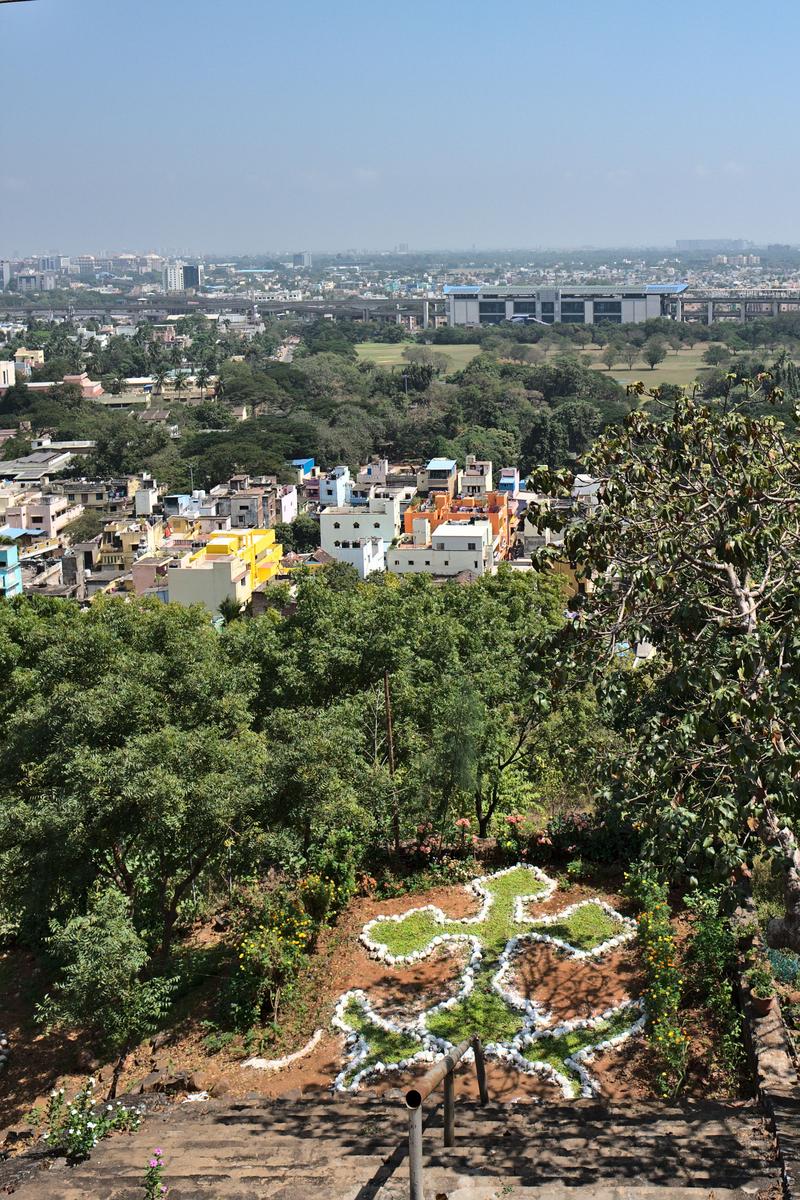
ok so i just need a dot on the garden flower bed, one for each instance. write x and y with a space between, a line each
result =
516 1029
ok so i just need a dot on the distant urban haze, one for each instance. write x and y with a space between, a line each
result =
237 126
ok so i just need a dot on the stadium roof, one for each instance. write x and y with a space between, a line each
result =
666 289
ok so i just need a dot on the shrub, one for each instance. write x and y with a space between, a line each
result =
712 955
662 993
270 954
322 898
760 980
76 1127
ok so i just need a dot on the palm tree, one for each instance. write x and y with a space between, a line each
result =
179 382
201 379
160 375
230 609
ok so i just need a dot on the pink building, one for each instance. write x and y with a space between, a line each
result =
50 514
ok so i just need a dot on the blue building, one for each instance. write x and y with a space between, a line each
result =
10 572
306 465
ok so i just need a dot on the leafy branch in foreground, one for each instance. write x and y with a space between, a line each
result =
693 548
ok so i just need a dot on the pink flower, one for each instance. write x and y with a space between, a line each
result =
154 1162
463 823
158 1153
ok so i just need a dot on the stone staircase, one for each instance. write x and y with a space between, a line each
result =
355 1149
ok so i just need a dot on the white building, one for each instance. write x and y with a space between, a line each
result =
453 548
8 373
173 277
342 528
476 478
366 555
573 304
334 488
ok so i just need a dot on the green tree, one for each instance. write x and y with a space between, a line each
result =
654 352
100 985
693 551
716 355
610 355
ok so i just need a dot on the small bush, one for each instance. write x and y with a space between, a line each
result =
77 1126
712 957
662 993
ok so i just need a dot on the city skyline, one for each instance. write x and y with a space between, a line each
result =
224 131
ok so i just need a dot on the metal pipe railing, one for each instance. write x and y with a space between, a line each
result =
441 1072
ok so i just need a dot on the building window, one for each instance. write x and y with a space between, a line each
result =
607 308
377 525
356 524
335 524
337 542
472 545
345 545
525 306
427 562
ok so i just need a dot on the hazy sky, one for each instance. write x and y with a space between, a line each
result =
246 125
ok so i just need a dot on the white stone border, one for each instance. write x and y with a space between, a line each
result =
380 951
278 1064
359 1047
535 1021
628 930
577 1062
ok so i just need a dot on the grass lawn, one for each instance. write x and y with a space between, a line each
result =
682 368
389 355
585 928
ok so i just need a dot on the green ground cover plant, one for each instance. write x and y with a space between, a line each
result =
384 1046
557 1049
587 927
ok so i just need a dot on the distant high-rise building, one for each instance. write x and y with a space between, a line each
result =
192 277
85 265
173 277
5 273
53 262
402 248
36 281
303 259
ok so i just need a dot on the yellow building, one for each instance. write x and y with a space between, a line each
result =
29 358
229 567
122 541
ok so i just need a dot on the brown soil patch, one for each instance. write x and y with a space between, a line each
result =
402 994
570 987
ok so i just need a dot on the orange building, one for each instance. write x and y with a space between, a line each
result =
442 507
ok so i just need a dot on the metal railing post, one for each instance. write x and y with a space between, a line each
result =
480 1070
442 1072
449 1109
415 1153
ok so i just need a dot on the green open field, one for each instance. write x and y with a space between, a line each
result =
683 367
391 354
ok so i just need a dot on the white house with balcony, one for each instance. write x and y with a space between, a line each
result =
455 547
476 478
344 527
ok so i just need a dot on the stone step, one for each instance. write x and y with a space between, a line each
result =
331 1150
